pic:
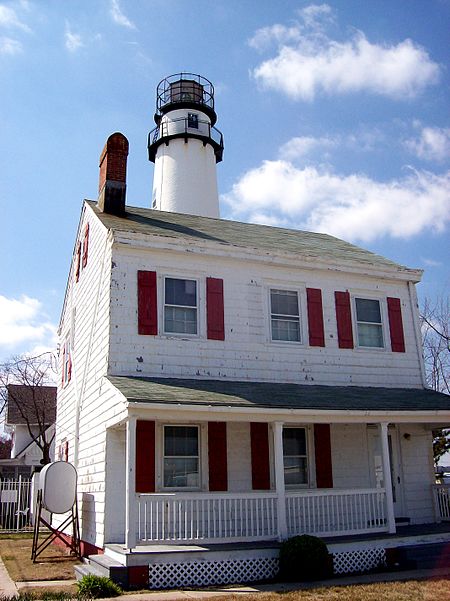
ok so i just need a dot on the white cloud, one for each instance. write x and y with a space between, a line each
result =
119 17
9 46
309 62
10 20
23 322
353 207
303 145
313 14
433 144
432 262
73 41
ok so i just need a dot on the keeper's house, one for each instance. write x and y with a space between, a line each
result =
226 382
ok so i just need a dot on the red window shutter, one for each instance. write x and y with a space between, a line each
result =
217 456
344 319
214 309
324 466
66 451
147 303
85 245
78 262
63 365
69 368
145 456
315 317
259 442
396 325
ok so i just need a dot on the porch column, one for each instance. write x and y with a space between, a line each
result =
130 484
387 478
279 479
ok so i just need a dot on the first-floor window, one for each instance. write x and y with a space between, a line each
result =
285 316
181 457
368 321
180 306
295 457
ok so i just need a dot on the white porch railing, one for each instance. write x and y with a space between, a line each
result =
441 495
15 497
336 512
219 517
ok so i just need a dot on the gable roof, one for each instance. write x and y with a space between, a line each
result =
31 402
272 395
262 238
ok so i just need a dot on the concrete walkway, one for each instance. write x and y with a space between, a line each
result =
7 586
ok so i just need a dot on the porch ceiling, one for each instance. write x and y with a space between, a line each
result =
269 395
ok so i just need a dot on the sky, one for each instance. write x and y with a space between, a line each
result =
335 119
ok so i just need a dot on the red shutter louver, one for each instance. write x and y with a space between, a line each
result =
215 309
78 262
85 245
145 456
322 452
217 456
344 319
259 439
315 317
396 325
147 303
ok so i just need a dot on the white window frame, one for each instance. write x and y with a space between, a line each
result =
202 450
309 457
382 305
301 328
199 297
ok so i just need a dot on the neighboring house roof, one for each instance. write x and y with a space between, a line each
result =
263 238
28 402
265 395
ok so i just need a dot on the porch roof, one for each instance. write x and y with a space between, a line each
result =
271 395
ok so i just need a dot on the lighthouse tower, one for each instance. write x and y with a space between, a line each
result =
185 146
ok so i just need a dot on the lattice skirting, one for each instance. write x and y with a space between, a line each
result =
361 560
207 573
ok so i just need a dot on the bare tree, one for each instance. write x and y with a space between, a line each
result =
28 395
436 348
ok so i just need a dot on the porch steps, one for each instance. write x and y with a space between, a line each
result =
424 556
101 565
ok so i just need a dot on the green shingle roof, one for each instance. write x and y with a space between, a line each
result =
269 395
263 238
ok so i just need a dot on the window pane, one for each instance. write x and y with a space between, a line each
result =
285 329
295 471
284 302
180 441
180 320
294 441
180 471
180 292
368 310
370 335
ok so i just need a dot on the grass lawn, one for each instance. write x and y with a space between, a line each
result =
433 590
53 564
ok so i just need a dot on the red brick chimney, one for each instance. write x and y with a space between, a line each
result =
113 175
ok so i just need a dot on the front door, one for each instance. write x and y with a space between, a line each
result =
376 466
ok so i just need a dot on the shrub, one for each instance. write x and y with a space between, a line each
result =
304 558
97 587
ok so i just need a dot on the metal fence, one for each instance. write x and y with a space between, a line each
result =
15 503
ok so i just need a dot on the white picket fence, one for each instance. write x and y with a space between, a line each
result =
15 496
441 494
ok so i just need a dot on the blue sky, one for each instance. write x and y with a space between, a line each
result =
335 118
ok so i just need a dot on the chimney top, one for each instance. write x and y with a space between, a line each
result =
113 175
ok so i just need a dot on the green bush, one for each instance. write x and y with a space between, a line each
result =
304 558
97 587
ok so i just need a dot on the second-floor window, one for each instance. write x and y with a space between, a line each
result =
180 306
285 315
369 324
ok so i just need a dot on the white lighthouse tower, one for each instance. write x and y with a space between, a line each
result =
185 146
